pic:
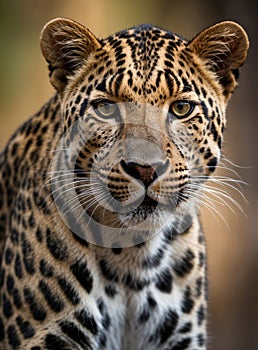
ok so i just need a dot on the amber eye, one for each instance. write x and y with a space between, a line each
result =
182 108
106 109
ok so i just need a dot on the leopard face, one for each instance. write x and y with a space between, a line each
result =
144 114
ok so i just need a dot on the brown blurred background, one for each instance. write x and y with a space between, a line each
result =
233 251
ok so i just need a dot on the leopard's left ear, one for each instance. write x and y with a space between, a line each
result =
223 47
66 46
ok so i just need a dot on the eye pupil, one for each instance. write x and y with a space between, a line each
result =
105 109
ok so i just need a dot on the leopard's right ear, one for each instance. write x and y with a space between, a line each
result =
223 48
66 46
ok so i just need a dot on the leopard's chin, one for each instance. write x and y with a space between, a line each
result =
149 216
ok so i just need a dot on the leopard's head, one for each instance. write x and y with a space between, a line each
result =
143 113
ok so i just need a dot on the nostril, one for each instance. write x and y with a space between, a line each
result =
162 168
144 172
130 168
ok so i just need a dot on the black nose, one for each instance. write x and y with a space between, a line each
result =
145 172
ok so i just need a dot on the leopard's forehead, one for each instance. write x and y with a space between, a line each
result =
143 61
145 34
145 42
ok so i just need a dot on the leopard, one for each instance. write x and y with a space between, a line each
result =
102 245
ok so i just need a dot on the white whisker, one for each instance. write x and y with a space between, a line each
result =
203 201
77 197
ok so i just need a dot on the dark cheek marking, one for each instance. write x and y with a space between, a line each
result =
28 255
87 321
55 342
78 99
212 163
83 275
8 256
46 270
80 240
214 132
53 300
73 332
17 298
18 267
25 327
2 334
69 291
7 307
208 153
13 337
56 247
37 311
219 142
2 277
14 235
9 284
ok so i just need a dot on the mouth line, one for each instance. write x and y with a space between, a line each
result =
150 203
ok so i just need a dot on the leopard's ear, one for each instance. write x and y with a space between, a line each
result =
223 47
66 45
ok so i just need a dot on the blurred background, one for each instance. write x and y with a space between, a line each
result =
232 246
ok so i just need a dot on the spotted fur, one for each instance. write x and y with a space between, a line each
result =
60 291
